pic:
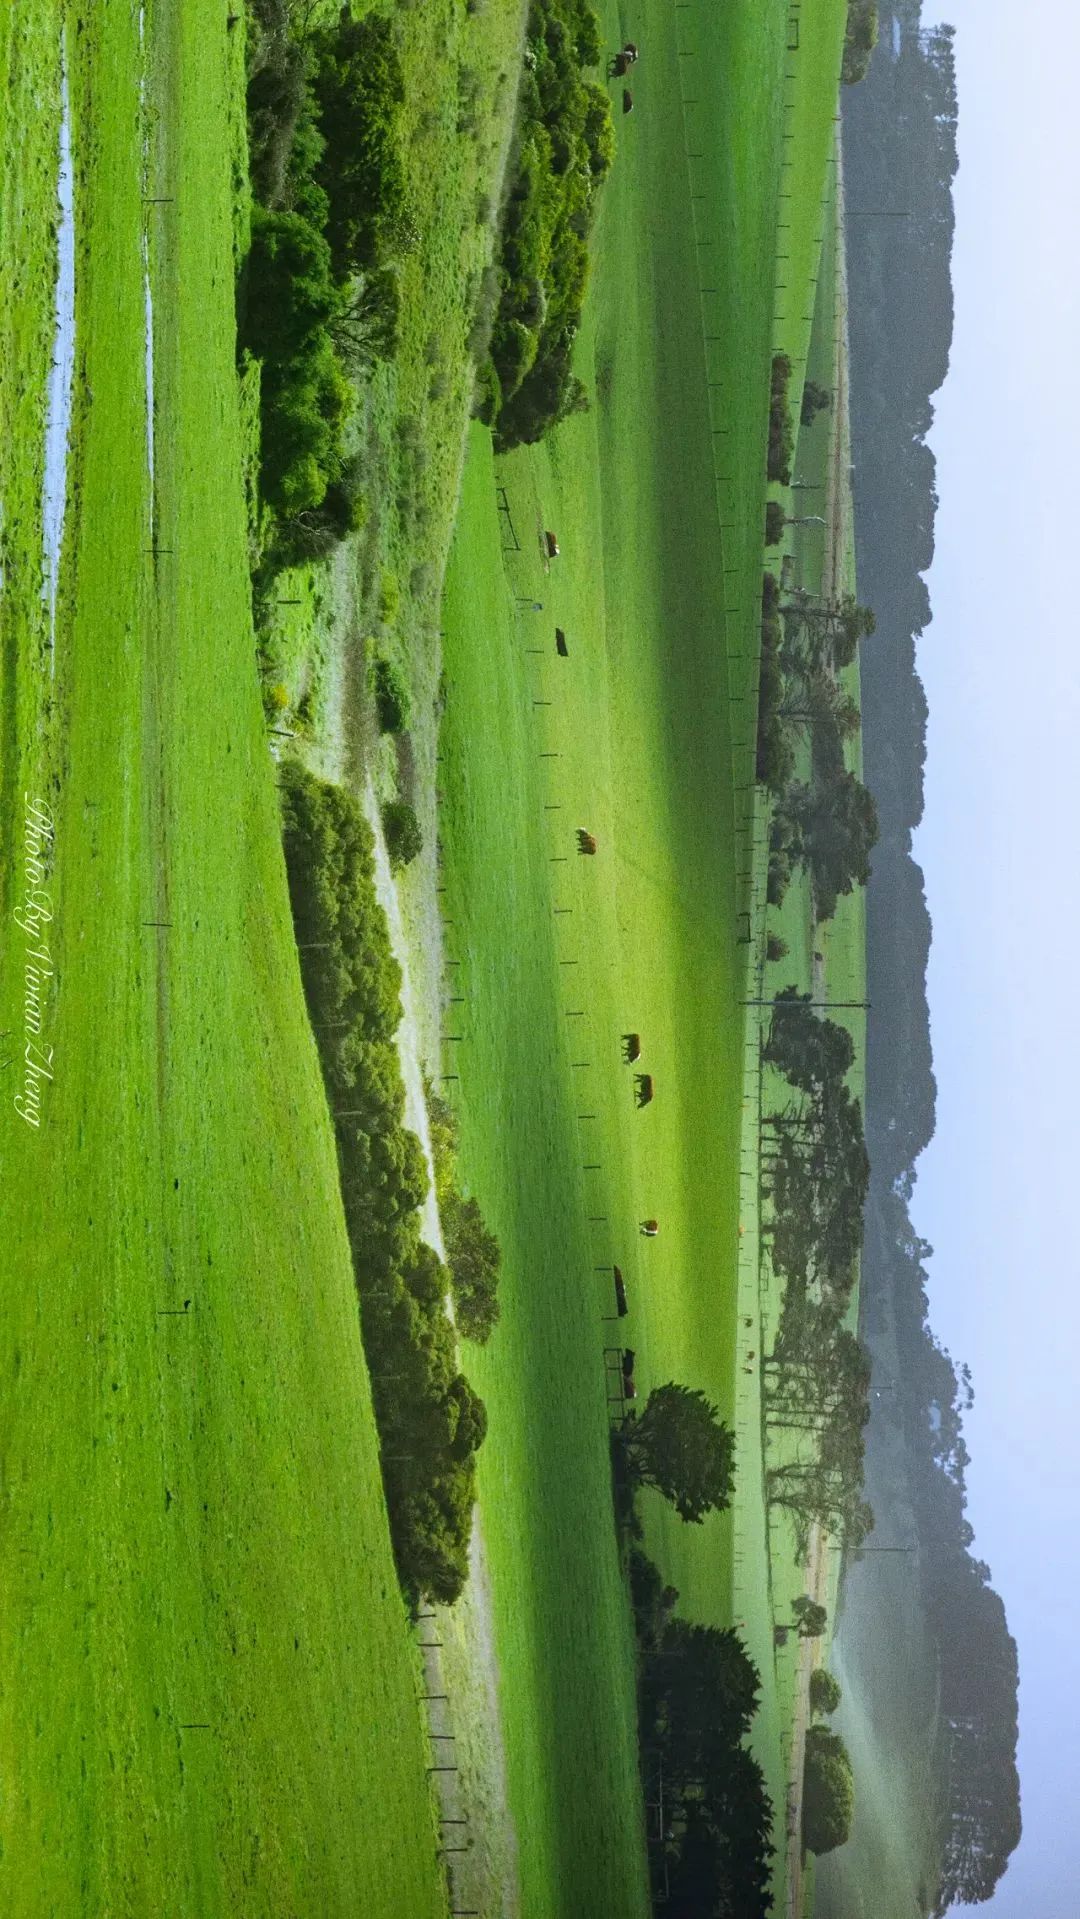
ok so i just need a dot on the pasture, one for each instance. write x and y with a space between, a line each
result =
642 736
205 1669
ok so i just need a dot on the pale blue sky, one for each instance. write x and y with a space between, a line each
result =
999 1188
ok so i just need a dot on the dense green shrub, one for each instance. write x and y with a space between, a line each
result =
392 702
781 431
430 1421
775 522
404 839
776 948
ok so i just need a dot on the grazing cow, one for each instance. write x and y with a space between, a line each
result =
619 65
585 841
631 1047
630 50
620 1294
627 100
552 545
643 1088
628 1359
561 647
650 1228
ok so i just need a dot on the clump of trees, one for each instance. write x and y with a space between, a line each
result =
699 1691
318 295
860 39
565 147
828 824
816 1174
781 430
775 522
828 1791
430 1420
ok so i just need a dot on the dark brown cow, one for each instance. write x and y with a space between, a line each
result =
650 1228
631 1047
627 100
552 545
630 50
585 841
643 1088
620 1294
561 647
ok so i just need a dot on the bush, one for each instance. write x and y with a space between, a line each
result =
474 1257
775 522
775 947
781 431
824 1690
392 702
828 1791
404 839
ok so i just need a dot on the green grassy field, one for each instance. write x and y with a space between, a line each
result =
642 736
207 1692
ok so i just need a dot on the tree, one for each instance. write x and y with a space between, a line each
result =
404 839
367 324
815 399
810 1051
860 39
810 1618
681 1446
474 1256
830 827
703 1691
775 947
775 522
828 1791
824 1690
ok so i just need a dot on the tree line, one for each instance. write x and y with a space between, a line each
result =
826 824
430 1421
317 296
564 147
697 1686
815 1173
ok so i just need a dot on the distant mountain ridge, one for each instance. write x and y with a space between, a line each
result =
899 160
